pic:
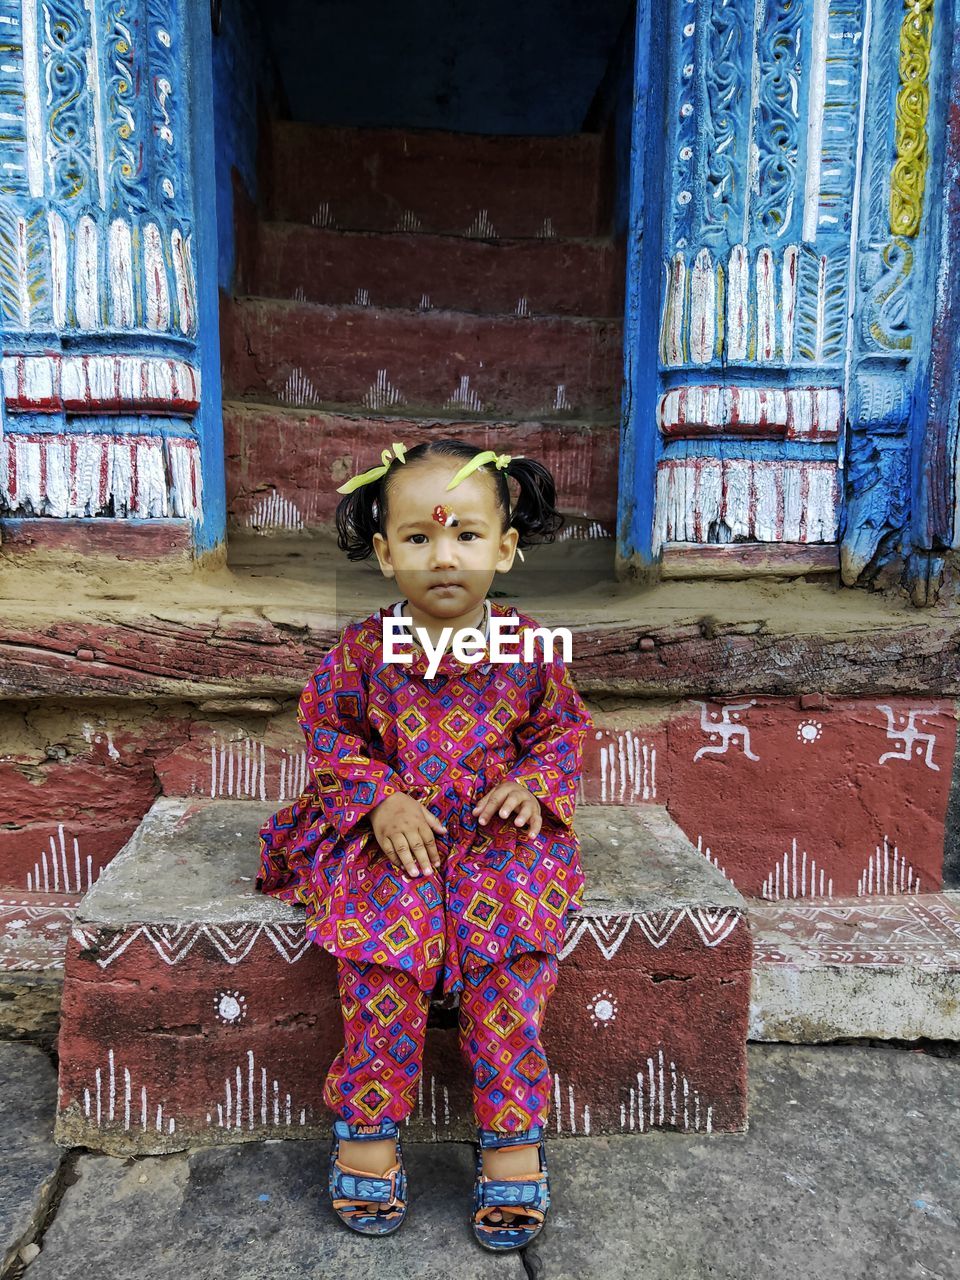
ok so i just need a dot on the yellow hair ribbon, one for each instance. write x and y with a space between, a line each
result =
501 460
375 473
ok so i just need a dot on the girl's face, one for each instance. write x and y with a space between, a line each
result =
444 569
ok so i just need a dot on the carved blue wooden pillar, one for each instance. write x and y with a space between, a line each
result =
891 512
776 400
102 311
936 523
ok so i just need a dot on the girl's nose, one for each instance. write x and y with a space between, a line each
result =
444 554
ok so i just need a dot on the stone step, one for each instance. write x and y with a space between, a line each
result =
57 852
525 278
885 967
820 1117
306 354
454 184
195 1012
283 464
81 634
879 968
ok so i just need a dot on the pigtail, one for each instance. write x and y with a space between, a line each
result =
358 519
535 516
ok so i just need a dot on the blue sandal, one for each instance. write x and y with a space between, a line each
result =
352 1190
526 1195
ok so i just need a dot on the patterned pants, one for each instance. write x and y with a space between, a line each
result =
377 1074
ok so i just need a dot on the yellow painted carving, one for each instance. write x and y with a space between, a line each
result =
901 341
908 179
721 310
674 309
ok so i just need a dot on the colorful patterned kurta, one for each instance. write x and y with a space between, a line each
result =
374 727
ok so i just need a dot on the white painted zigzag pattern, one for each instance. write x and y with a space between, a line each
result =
713 925
173 943
234 942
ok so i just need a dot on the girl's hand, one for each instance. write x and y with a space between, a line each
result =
510 796
404 829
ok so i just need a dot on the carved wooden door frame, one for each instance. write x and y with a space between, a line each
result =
784 225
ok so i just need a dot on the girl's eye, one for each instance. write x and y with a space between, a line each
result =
468 533
416 535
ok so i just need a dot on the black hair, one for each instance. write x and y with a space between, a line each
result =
363 512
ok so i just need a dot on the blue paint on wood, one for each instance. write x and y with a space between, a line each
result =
640 445
103 203
751 450
209 419
937 466
129 424
895 500
938 394
736 79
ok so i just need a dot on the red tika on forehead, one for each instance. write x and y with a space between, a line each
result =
443 515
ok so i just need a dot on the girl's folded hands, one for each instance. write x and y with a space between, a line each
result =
405 828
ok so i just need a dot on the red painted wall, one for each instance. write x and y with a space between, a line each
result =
783 794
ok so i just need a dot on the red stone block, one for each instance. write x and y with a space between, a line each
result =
843 800
65 856
817 781
306 355
625 765
34 928
236 761
64 819
457 184
526 278
196 1012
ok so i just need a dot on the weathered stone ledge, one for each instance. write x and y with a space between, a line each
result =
257 629
226 656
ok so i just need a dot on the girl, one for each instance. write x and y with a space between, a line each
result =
434 844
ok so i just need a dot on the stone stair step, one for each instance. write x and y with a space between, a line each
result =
788 1199
283 464
259 629
56 856
881 967
526 278
306 354
196 1012
447 183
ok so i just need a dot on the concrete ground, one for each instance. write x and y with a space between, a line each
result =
850 1170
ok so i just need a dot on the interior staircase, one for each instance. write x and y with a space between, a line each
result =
401 284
